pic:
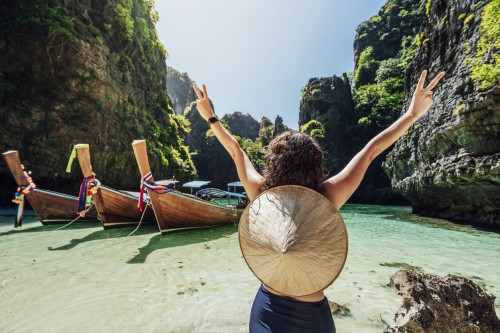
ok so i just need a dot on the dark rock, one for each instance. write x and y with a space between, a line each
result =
448 164
339 310
329 101
180 91
434 304
279 127
242 125
209 156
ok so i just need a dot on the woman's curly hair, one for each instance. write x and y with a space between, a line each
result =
293 158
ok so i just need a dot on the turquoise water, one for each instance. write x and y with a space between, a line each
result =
86 279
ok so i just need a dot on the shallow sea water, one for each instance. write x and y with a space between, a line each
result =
86 279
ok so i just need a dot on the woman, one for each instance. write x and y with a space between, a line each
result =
294 158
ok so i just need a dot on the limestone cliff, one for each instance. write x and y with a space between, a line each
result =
180 91
329 101
242 125
383 48
448 164
212 161
85 72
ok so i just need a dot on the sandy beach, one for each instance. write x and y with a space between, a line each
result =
86 279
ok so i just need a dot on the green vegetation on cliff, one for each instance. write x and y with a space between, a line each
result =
384 48
486 63
314 128
87 71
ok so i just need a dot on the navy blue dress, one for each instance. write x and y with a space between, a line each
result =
271 313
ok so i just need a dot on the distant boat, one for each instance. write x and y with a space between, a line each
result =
116 208
174 209
50 207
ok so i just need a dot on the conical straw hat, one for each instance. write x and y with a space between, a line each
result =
293 239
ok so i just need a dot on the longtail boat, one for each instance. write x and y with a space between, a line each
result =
174 209
116 208
50 207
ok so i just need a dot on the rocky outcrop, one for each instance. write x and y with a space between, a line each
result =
434 304
383 48
448 164
242 125
329 101
211 159
85 72
180 91
279 127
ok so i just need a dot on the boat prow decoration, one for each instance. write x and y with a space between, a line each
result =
116 208
50 207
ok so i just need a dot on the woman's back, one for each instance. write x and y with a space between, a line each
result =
293 158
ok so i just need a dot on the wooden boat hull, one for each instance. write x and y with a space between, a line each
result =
115 208
50 207
118 209
178 210
55 208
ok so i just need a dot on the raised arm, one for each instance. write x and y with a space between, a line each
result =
246 171
340 187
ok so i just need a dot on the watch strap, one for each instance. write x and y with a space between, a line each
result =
212 120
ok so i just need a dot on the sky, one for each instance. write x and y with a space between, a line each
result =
256 56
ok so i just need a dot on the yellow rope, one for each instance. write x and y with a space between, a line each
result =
64 226
148 203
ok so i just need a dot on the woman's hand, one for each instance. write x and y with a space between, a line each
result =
203 103
246 171
422 97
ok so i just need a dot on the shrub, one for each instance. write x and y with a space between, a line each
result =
486 63
366 68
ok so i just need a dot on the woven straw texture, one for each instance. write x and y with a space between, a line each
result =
293 239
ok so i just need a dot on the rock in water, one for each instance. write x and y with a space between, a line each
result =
339 310
434 304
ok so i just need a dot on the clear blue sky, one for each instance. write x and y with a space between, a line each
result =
256 56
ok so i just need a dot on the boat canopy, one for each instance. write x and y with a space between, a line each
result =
215 192
237 195
166 182
196 183
235 184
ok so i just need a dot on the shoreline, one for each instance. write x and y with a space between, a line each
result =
84 278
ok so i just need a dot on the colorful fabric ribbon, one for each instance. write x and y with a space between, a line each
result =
19 198
71 159
145 183
88 187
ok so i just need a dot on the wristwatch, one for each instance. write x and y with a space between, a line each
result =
212 120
